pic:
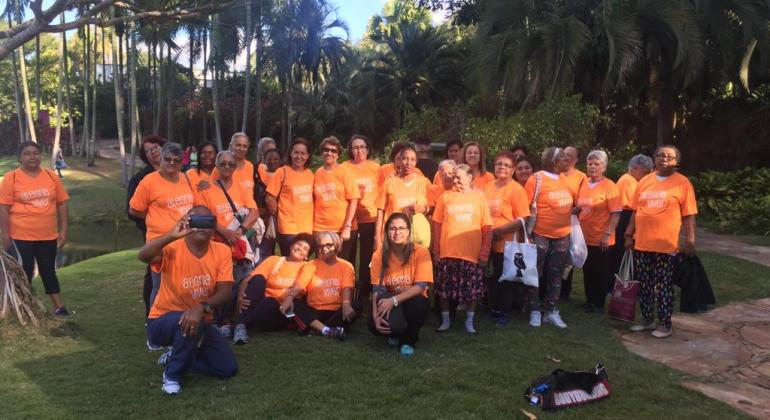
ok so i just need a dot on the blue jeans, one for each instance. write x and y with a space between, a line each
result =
205 353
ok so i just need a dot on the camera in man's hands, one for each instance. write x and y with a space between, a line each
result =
199 221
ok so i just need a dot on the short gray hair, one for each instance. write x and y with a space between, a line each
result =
262 147
173 149
643 161
222 154
600 155
333 236
447 162
238 135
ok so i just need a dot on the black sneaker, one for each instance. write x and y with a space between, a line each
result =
337 332
61 311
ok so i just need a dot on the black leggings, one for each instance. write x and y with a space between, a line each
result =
264 311
596 274
505 295
44 252
365 251
415 313
305 314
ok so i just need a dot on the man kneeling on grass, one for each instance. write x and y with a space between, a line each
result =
197 277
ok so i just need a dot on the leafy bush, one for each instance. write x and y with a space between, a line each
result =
735 202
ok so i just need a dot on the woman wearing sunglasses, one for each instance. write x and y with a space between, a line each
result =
335 198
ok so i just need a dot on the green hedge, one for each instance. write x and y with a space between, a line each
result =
735 202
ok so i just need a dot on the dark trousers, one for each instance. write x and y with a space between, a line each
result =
348 251
506 295
263 312
283 243
596 275
44 252
147 291
620 247
205 353
366 249
305 315
415 313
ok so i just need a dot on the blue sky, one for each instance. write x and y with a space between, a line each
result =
356 14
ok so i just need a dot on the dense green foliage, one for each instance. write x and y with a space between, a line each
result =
735 202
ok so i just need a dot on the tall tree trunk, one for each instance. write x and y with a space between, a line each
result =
215 50
170 77
104 56
92 139
665 112
25 89
20 114
204 95
37 74
135 133
59 98
118 84
191 89
86 99
228 92
247 87
258 87
159 93
71 121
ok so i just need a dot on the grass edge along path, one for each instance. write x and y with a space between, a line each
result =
95 365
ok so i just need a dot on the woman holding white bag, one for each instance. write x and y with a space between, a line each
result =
509 207
552 202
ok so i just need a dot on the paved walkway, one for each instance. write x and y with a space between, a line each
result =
726 351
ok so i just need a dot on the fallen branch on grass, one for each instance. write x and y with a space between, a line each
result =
16 297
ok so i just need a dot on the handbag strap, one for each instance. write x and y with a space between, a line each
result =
227 196
524 228
278 265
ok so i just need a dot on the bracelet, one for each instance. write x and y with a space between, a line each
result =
348 225
395 301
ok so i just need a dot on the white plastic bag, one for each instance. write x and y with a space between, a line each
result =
520 262
578 250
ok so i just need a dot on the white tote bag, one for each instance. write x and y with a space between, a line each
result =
520 262
578 250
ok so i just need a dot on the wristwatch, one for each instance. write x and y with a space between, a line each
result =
207 309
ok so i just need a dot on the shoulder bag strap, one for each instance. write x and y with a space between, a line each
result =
229 200
278 265
189 184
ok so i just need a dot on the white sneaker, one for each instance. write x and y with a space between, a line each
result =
644 326
662 332
170 386
445 325
165 357
535 318
240 335
554 318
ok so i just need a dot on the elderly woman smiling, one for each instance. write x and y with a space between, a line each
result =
599 204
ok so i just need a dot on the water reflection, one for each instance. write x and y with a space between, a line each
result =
89 241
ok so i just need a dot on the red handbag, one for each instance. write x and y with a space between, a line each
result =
624 291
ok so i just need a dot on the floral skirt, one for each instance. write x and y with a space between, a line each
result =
459 280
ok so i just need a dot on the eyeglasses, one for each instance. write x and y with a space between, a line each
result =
173 161
398 229
228 164
329 150
503 165
152 148
324 246
663 156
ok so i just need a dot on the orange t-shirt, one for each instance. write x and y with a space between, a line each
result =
462 215
277 283
396 194
626 187
188 280
324 283
433 194
597 203
32 201
195 178
365 176
398 277
505 205
574 180
162 201
216 201
294 192
389 170
331 192
243 175
480 182
554 205
660 206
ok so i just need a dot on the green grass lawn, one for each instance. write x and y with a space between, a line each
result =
95 365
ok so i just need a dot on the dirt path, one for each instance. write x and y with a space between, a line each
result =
726 351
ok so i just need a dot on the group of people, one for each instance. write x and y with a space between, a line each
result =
211 233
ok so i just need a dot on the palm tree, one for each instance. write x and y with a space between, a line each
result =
117 83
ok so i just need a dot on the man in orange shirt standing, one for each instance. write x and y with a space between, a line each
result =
573 178
197 277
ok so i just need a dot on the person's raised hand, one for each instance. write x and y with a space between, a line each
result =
203 185
181 228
